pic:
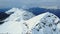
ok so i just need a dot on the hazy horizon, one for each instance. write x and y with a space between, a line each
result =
29 3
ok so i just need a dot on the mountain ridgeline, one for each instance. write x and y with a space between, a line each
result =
34 10
37 11
30 21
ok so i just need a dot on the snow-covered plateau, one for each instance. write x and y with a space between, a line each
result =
24 22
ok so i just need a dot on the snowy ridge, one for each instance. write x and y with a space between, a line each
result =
23 22
19 14
45 23
15 21
33 21
12 10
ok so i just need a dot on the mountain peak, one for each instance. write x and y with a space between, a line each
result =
16 13
12 10
35 20
44 23
34 25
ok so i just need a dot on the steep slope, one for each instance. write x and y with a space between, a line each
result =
23 22
14 23
19 14
2 17
46 23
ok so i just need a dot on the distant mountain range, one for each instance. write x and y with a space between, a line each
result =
20 21
34 10
4 9
37 11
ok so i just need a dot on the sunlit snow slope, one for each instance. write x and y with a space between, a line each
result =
14 23
19 14
46 23
23 22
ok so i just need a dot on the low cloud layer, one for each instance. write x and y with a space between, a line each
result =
27 3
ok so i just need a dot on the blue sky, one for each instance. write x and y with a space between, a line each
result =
28 3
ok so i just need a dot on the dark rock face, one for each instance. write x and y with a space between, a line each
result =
1 23
2 17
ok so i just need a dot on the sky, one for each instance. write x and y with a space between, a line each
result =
29 3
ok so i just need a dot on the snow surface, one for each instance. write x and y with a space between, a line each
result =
14 23
19 14
46 23
23 22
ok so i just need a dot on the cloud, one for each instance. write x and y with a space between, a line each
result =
26 3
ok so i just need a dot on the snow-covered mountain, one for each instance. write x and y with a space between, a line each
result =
19 14
14 23
46 23
23 22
